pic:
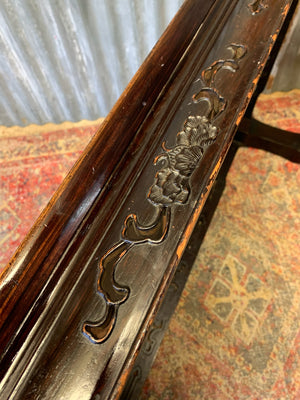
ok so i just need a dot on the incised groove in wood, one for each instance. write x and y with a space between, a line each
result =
151 342
171 186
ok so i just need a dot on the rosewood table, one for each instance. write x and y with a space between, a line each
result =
83 293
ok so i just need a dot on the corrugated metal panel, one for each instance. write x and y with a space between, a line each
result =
71 59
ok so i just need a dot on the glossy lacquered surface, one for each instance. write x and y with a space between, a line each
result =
106 248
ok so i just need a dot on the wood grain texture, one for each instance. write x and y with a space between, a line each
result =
50 287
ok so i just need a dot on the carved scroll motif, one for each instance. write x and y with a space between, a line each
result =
216 103
151 342
171 186
113 293
257 6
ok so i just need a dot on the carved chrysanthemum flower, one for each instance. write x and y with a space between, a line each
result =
199 131
172 181
169 187
187 159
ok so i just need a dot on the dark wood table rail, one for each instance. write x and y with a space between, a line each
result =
81 294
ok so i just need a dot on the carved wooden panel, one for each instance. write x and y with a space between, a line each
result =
171 185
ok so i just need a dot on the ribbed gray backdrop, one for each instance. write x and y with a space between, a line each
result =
71 59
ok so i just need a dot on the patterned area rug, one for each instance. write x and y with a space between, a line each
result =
280 109
33 162
235 333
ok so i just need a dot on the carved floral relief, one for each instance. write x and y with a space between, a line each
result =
171 183
171 186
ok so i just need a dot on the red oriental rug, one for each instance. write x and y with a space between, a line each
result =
33 162
235 333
